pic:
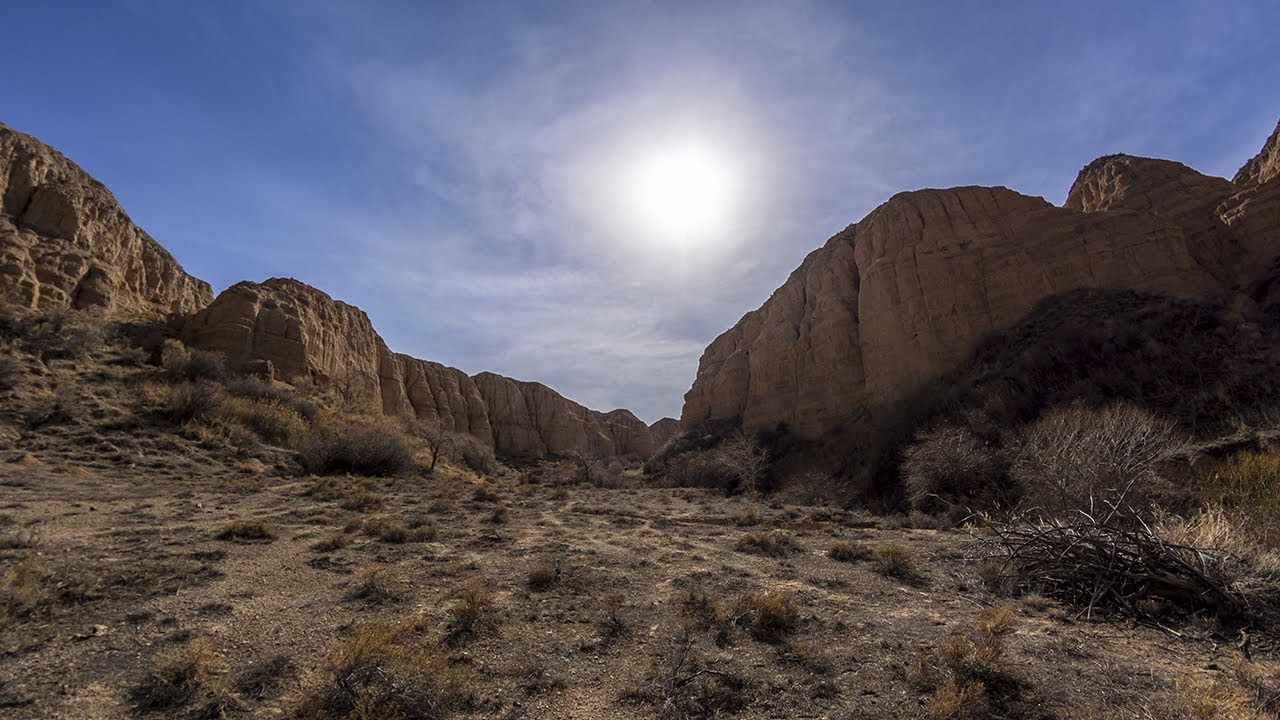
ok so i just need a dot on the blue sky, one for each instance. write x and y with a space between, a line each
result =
454 168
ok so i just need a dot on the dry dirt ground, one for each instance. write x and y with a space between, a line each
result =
145 574
588 587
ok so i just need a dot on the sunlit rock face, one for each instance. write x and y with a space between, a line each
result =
65 243
904 294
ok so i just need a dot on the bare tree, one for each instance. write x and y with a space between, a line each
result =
743 458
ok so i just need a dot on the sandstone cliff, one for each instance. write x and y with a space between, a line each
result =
304 333
904 294
66 243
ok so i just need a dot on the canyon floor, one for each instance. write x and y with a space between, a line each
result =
577 601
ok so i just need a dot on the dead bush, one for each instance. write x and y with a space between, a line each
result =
260 679
1085 458
332 542
181 363
190 401
191 679
389 530
60 334
385 670
364 447
743 459
949 466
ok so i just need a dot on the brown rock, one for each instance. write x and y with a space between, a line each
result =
1263 167
663 430
66 243
302 332
902 295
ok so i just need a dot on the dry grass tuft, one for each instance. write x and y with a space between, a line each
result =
768 616
473 613
378 586
771 544
190 401
896 561
543 575
385 671
247 531
191 679
848 552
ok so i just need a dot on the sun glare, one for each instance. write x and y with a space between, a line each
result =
682 193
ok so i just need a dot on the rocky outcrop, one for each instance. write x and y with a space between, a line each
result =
1263 167
66 243
300 330
304 333
532 420
663 430
434 393
904 294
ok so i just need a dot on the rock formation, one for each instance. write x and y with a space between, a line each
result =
903 295
304 333
663 430
66 243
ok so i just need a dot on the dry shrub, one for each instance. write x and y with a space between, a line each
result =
848 552
1085 458
969 674
543 575
768 616
190 401
181 363
473 613
771 544
500 514
698 610
247 531
896 561
364 447
743 459
269 420
58 335
951 465
191 679
255 388
385 671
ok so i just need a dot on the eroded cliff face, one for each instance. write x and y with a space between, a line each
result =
532 420
65 243
903 295
304 333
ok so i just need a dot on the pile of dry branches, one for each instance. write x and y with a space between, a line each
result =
1111 560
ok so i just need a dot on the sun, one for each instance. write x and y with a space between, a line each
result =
681 193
